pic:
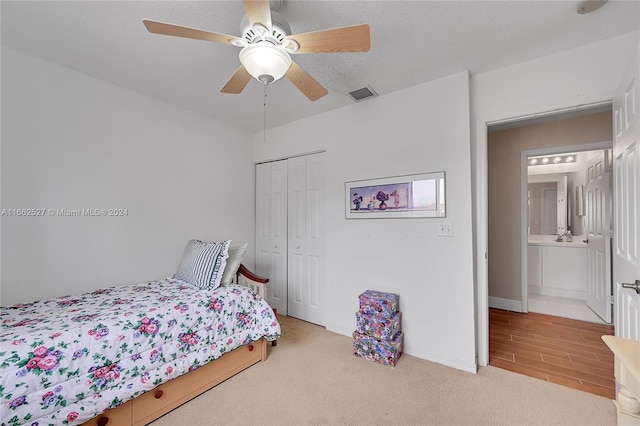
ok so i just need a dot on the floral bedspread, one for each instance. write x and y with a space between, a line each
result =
66 360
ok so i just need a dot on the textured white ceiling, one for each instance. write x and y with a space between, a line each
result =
411 42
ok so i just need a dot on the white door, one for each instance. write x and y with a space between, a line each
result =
271 230
599 236
306 238
626 152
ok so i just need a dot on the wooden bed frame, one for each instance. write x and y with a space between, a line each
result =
153 404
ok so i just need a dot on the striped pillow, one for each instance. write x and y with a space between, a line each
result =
203 263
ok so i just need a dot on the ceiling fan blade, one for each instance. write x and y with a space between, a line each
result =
238 81
186 32
356 38
305 83
258 12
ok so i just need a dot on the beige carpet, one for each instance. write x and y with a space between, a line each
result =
311 378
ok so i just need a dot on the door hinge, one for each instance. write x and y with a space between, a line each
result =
610 233
610 299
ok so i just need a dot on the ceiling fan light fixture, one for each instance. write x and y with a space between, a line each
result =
588 6
265 62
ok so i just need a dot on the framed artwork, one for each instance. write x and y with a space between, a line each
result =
411 196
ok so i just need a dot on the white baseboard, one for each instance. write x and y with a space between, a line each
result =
438 358
559 292
505 304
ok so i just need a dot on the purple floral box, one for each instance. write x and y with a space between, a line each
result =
373 302
378 326
384 352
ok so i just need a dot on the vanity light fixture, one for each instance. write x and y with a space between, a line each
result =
557 159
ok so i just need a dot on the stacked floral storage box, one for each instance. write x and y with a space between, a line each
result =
378 336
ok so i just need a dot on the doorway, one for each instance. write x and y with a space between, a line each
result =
561 277
508 146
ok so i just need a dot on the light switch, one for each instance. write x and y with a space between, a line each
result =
445 230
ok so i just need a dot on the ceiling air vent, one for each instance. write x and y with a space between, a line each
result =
362 94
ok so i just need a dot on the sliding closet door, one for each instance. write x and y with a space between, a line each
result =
306 238
271 230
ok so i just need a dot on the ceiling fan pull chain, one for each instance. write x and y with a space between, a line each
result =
264 115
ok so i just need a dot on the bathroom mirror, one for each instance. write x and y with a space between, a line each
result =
557 189
548 207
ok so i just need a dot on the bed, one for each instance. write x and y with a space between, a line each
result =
128 354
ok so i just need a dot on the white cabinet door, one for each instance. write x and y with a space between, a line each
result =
564 272
534 266
306 238
271 230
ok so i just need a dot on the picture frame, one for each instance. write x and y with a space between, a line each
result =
408 196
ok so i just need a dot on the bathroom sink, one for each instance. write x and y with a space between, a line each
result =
551 240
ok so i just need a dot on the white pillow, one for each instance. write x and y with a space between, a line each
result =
202 263
236 254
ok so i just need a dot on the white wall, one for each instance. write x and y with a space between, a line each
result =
422 129
71 142
581 76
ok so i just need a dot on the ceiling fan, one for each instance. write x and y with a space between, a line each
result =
267 45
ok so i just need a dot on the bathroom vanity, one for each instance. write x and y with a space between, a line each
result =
557 268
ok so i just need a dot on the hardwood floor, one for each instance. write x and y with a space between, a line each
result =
559 350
